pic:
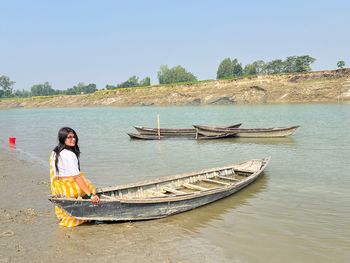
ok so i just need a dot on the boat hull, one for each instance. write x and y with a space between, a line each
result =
174 132
128 203
134 211
248 133
191 137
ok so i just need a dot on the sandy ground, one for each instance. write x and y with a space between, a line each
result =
29 230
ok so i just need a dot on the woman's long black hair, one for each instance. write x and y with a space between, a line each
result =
62 136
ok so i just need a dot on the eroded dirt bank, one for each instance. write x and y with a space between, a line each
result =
312 87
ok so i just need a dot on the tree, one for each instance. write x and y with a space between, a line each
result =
275 66
298 64
81 88
22 93
110 87
6 86
131 82
250 69
290 64
302 63
225 69
90 88
237 68
164 75
145 82
42 90
260 66
174 75
341 64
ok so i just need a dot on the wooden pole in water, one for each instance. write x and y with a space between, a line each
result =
158 123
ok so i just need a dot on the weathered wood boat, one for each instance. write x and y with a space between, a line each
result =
164 196
174 131
193 137
247 133
138 136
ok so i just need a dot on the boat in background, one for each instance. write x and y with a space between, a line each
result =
176 132
191 136
247 133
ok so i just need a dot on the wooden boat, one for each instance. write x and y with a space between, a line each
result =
247 133
145 136
162 137
174 131
164 196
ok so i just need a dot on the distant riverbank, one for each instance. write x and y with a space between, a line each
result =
310 87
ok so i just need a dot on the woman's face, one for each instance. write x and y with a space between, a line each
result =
70 140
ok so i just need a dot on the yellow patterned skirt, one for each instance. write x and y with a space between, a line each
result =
67 187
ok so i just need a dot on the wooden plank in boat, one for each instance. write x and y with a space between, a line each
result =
249 167
195 187
146 194
107 196
157 194
174 191
214 181
227 178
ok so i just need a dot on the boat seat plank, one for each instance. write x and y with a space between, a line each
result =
249 167
174 191
195 187
107 196
215 182
157 194
229 179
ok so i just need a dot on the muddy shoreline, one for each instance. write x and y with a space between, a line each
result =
29 230
331 86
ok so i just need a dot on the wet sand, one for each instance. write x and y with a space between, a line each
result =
29 230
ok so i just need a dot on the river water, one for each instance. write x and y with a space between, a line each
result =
298 211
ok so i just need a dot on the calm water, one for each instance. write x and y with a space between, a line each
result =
298 211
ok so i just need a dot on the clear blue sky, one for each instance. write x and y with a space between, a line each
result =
106 42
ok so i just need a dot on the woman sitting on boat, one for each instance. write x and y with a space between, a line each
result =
66 178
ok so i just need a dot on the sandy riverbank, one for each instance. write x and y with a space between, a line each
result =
311 87
29 231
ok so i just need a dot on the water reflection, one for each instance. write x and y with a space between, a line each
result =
12 146
280 140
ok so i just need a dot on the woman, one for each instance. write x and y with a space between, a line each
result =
66 177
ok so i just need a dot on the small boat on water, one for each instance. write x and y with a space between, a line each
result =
247 133
164 196
175 131
191 136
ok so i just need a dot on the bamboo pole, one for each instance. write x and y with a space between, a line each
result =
158 125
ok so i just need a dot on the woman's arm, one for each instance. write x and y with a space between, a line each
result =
81 183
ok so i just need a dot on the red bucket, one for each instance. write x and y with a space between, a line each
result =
12 140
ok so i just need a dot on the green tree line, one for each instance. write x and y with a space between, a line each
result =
44 89
231 68
131 82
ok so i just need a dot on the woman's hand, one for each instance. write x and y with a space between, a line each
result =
95 199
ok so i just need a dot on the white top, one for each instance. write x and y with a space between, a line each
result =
67 164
